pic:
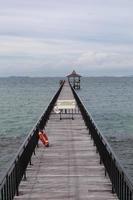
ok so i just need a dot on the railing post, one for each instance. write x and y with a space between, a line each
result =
9 187
1 194
112 176
122 187
16 179
131 195
125 191
118 182
120 196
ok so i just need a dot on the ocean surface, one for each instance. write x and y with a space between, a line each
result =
108 99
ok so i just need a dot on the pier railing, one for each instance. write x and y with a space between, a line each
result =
9 184
121 184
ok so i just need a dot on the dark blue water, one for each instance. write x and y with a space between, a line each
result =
109 100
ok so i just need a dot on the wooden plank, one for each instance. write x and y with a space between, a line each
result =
70 167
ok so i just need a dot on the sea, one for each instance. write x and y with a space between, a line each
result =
109 100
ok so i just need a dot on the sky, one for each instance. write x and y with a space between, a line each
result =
53 37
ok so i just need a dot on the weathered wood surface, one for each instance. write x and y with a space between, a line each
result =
69 168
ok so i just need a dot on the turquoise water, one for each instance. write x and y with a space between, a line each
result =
22 101
109 100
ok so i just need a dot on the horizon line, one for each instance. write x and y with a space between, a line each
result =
84 76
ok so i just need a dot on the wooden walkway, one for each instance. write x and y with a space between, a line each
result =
69 168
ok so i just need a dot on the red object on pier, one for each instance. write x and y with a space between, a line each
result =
43 137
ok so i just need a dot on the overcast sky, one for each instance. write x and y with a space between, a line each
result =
53 37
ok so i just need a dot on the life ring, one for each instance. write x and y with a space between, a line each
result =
56 110
43 137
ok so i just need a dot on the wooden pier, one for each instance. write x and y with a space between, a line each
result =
70 168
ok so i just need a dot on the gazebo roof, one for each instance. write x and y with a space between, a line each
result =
73 74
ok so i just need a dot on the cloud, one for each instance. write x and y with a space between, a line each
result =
52 36
27 56
105 59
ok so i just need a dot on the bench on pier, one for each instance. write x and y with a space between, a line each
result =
65 105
